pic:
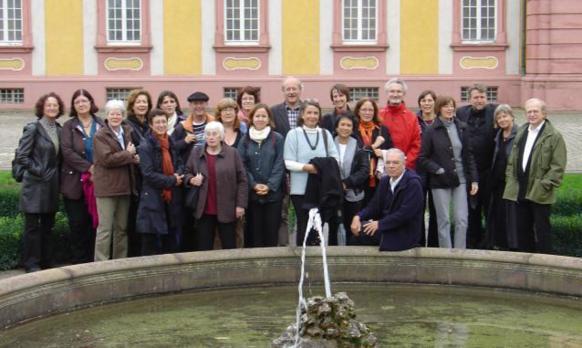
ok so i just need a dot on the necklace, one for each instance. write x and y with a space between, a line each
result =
313 147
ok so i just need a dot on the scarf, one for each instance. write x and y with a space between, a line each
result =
259 135
366 131
187 123
172 123
167 165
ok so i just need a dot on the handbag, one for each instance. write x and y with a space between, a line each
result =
191 199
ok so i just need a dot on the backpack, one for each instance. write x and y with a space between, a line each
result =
18 169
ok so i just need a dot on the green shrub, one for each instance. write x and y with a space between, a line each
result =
567 234
9 199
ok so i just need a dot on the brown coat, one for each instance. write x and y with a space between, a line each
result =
114 167
231 185
75 159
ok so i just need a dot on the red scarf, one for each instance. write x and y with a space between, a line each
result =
167 165
366 131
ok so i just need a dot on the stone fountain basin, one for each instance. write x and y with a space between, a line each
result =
65 289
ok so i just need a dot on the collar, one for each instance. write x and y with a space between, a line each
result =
394 182
537 129
297 105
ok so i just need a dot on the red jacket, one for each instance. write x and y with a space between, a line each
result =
404 131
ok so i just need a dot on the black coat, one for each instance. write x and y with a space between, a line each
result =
184 149
399 213
39 192
437 152
482 133
324 189
151 213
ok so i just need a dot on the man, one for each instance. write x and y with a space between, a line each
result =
396 210
401 122
479 116
286 114
534 171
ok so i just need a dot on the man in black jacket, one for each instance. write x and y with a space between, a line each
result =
479 116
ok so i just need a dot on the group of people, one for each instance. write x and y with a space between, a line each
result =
148 179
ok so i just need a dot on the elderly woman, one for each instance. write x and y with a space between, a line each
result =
226 111
169 103
340 97
159 215
354 168
38 155
77 171
115 156
446 157
374 137
500 213
261 151
246 99
218 171
302 144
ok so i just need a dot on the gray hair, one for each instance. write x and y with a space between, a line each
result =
393 150
215 126
397 81
503 108
115 104
289 79
541 103
481 88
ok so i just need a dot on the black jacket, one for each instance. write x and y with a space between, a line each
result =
437 152
39 192
324 189
482 133
151 212
328 121
184 149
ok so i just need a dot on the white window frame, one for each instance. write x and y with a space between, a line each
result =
478 19
243 5
5 41
124 29
360 20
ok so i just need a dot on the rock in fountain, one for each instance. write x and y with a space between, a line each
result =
327 323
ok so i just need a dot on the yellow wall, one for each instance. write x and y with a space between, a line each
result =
182 37
64 37
419 37
300 37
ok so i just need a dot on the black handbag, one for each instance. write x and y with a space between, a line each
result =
191 199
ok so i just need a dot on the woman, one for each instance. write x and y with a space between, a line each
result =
446 157
159 215
261 151
139 104
38 153
219 173
500 236
354 169
246 99
302 144
340 97
76 174
226 111
373 137
169 103
426 117
115 159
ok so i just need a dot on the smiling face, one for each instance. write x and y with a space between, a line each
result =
141 105
535 114
247 102
213 138
169 105
198 107
504 120
366 112
310 116
51 108
448 110
340 101
114 118
344 128
427 104
159 124
478 99
395 93
82 105
292 91
260 119
227 115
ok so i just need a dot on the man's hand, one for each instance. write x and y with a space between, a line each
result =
474 188
261 189
371 227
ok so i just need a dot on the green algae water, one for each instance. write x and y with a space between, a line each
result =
399 315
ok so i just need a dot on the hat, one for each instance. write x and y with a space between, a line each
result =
198 96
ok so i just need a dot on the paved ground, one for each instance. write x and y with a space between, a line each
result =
570 124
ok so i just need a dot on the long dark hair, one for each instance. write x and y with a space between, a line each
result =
85 93
172 95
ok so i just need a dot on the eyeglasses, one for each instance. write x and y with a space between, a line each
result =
81 101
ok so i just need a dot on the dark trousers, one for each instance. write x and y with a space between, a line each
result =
478 209
154 244
263 223
82 231
188 231
36 251
533 227
133 238
349 209
205 233
430 239
302 216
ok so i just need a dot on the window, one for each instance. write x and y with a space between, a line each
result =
359 20
478 20
10 22
358 93
11 95
119 93
241 21
491 94
230 92
123 21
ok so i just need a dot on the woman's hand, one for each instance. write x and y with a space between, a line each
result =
378 142
196 180
179 179
356 226
130 148
240 212
474 188
261 189
310 168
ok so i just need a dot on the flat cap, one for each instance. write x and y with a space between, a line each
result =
198 96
